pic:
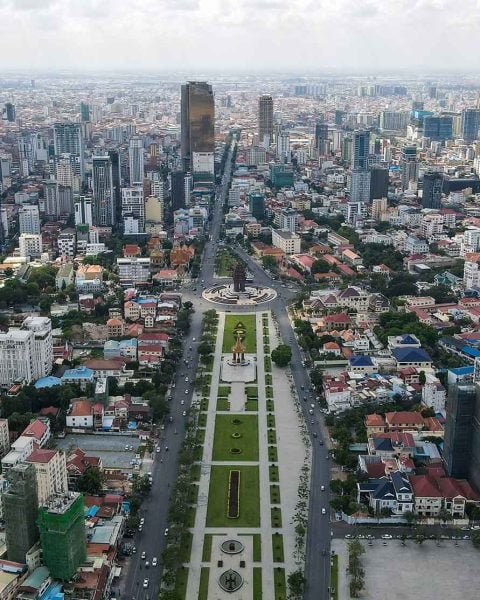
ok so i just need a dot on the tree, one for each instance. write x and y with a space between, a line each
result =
296 583
445 515
476 539
204 348
91 482
422 378
269 263
320 266
282 355
410 517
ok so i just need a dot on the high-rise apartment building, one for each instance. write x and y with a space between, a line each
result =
20 509
432 189
50 472
136 160
360 149
283 146
288 220
116 179
133 205
30 245
198 128
61 521
25 154
360 186
4 437
68 139
393 120
470 124
29 219
409 165
50 195
265 120
83 206
103 192
26 354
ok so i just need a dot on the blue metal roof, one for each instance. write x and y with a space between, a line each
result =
47 382
361 361
469 351
78 373
463 370
411 355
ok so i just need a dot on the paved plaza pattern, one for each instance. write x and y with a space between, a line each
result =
258 434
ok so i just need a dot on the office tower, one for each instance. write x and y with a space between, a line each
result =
114 156
68 139
461 407
339 116
393 120
84 112
61 521
133 206
322 143
65 199
39 147
103 194
470 124
25 154
360 149
265 120
198 128
360 186
30 245
29 219
9 112
256 205
432 189
136 160
50 196
288 219
409 165
20 511
84 211
177 182
438 129
378 182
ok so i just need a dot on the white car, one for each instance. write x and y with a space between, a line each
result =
143 555
145 583
142 521
182 402
322 488
186 379
194 339
186 392
166 531
324 512
184 413
154 561
387 536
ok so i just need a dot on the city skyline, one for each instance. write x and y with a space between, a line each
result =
301 35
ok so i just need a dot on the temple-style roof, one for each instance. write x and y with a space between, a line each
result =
238 347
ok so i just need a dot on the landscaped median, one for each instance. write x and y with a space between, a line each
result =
248 496
236 438
250 328
233 507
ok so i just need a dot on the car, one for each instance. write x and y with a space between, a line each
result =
166 448
126 448
312 422
321 442
154 561
349 536
182 402
147 564
370 537
170 398
322 488
387 536
194 339
186 379
186 392
142 521
170 419
324 511
312 405
305 398
140 527
465 529
145 583
315 434
184 414
143 556
361 537
310 412
475 527
157 449
134 550
466 537
302 387
166 531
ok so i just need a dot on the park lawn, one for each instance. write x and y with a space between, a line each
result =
257 583
181 581
257 547
223 440
279 583
218 497
249 321
225 262
207 547
203 589
277 547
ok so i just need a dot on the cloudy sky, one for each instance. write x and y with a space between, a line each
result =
294 35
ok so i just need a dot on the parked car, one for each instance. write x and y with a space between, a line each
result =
145 583
154 561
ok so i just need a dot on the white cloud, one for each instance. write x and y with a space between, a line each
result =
250 35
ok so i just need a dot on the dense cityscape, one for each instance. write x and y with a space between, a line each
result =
239 336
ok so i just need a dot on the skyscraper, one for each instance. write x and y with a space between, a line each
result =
461 409
378 182
265 119
360 186
20 507
438 129
133 207
61 521
198 128
67 139
103 195
432 189
116 179
177 182
84 112
321 137
409 165
29 219
84 211
10 112
470 124
361 142
136 159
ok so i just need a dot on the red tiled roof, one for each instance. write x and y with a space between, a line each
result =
374 420
423 487
404 418
41 455
36 429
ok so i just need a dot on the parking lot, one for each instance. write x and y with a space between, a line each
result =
425 571
110 448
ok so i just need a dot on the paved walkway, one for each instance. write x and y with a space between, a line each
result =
237 397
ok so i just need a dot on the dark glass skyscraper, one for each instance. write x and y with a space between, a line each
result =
198 127
438 129
265 118
432 189
321 137
103 194
461 408
361 142
10 112
470 124
378 182
178 189
409 164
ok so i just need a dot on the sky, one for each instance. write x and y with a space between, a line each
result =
240 35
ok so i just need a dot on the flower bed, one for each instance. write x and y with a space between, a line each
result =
233 495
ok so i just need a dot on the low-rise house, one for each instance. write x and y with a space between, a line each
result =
406 340
115 327
39 431
391 493
80 414
82 376
362 364
77 463
374 424
412 357
65 276
106 368
392 444
404 421
131 310
126 349
337 321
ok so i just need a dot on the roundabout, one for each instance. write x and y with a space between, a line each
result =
225 294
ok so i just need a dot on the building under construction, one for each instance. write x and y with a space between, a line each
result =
61 522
